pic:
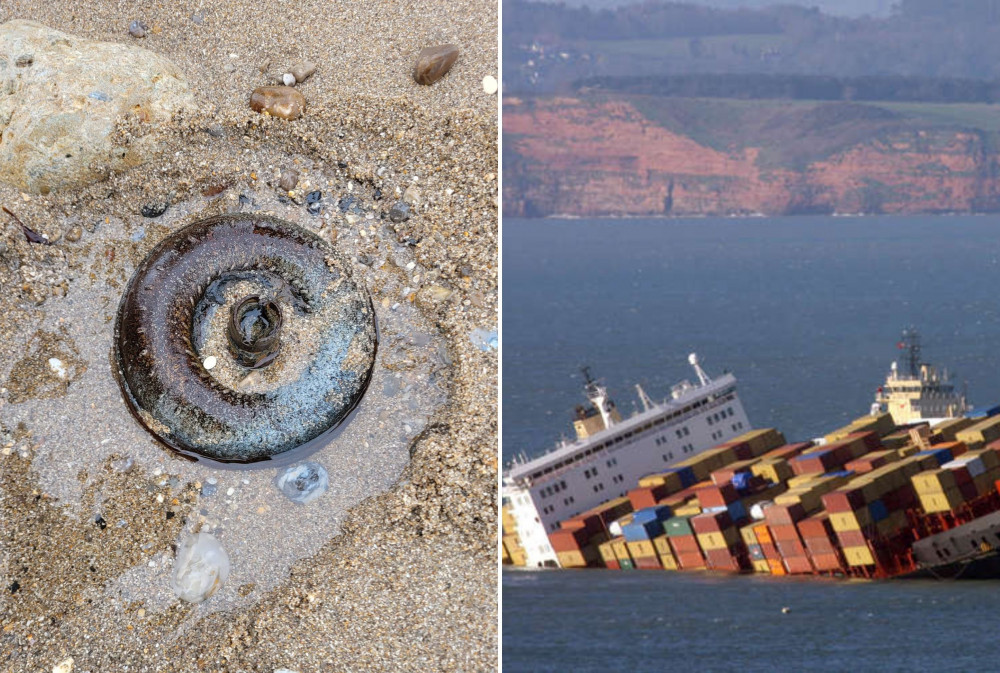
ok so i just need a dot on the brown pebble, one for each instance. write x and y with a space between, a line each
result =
278 101
74 234
289 179
433 63
302 71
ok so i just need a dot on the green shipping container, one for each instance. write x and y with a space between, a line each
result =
627 564
678 526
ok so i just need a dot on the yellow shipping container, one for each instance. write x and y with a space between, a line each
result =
859 556
578 558
948 430
934 481
641 548
762 566
761 441
688 510
513 542
621 549
607 551
851 520
775 470
668 562
671 480
941 502
748 535
723 540
881 424
661 545
507 518
981 433
519 557
504 556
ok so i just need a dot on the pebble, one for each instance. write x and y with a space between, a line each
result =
484 339
412 195
490 84
137 29
64 666
57 366
201 568
433 63
288 79
289 178
278 101
154 209
210 362
303 483
122 464
400 212
303 71
209 490
74 234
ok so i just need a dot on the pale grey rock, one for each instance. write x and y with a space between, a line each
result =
201 568
61 97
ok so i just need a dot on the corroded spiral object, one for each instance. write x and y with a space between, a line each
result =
275 306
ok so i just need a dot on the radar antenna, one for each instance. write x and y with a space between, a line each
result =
911 344
702 376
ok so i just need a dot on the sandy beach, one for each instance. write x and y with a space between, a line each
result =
394 568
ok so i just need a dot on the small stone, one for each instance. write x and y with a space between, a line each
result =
433 63
64 666
198 18
289 178
74 234
484 339
210 362
208 490
303 483
490 85
352 218
400 212
216 130
288 79
137 29
278 101
57 366
303 71
314 196
201 568
154 209
465 271
377 195
412 195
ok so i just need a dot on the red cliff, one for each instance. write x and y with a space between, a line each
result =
572 156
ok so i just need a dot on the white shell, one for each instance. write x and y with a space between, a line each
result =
288 78
490 84
201 567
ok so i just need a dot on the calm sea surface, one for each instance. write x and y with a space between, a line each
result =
806 312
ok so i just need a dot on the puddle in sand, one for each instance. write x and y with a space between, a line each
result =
85 430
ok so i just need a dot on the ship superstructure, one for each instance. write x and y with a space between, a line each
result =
610 454
918 392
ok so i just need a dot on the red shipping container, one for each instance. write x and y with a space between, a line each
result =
866 464
771 552
843 500
903 497
788 450
726 474
613 565
684 544
648 496
852 538
798 565
647 562
568 540
815 526
784 514
782 531
711 522
820 545
870 439
690 561
827 562
790 548
590 523
717 496
723 559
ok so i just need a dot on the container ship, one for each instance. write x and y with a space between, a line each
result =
876 498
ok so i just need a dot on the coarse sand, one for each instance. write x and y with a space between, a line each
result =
395 567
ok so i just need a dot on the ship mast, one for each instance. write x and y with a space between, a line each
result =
911 343
598 396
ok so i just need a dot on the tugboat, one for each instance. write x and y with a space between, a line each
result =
919 392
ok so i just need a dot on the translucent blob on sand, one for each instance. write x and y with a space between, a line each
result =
303 483
201 568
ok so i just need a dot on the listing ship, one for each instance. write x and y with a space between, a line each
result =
919 392
881 497
611 453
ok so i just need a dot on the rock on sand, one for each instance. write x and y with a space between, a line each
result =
60 100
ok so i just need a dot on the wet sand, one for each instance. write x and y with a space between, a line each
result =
394 569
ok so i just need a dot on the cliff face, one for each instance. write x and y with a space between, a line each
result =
571 156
